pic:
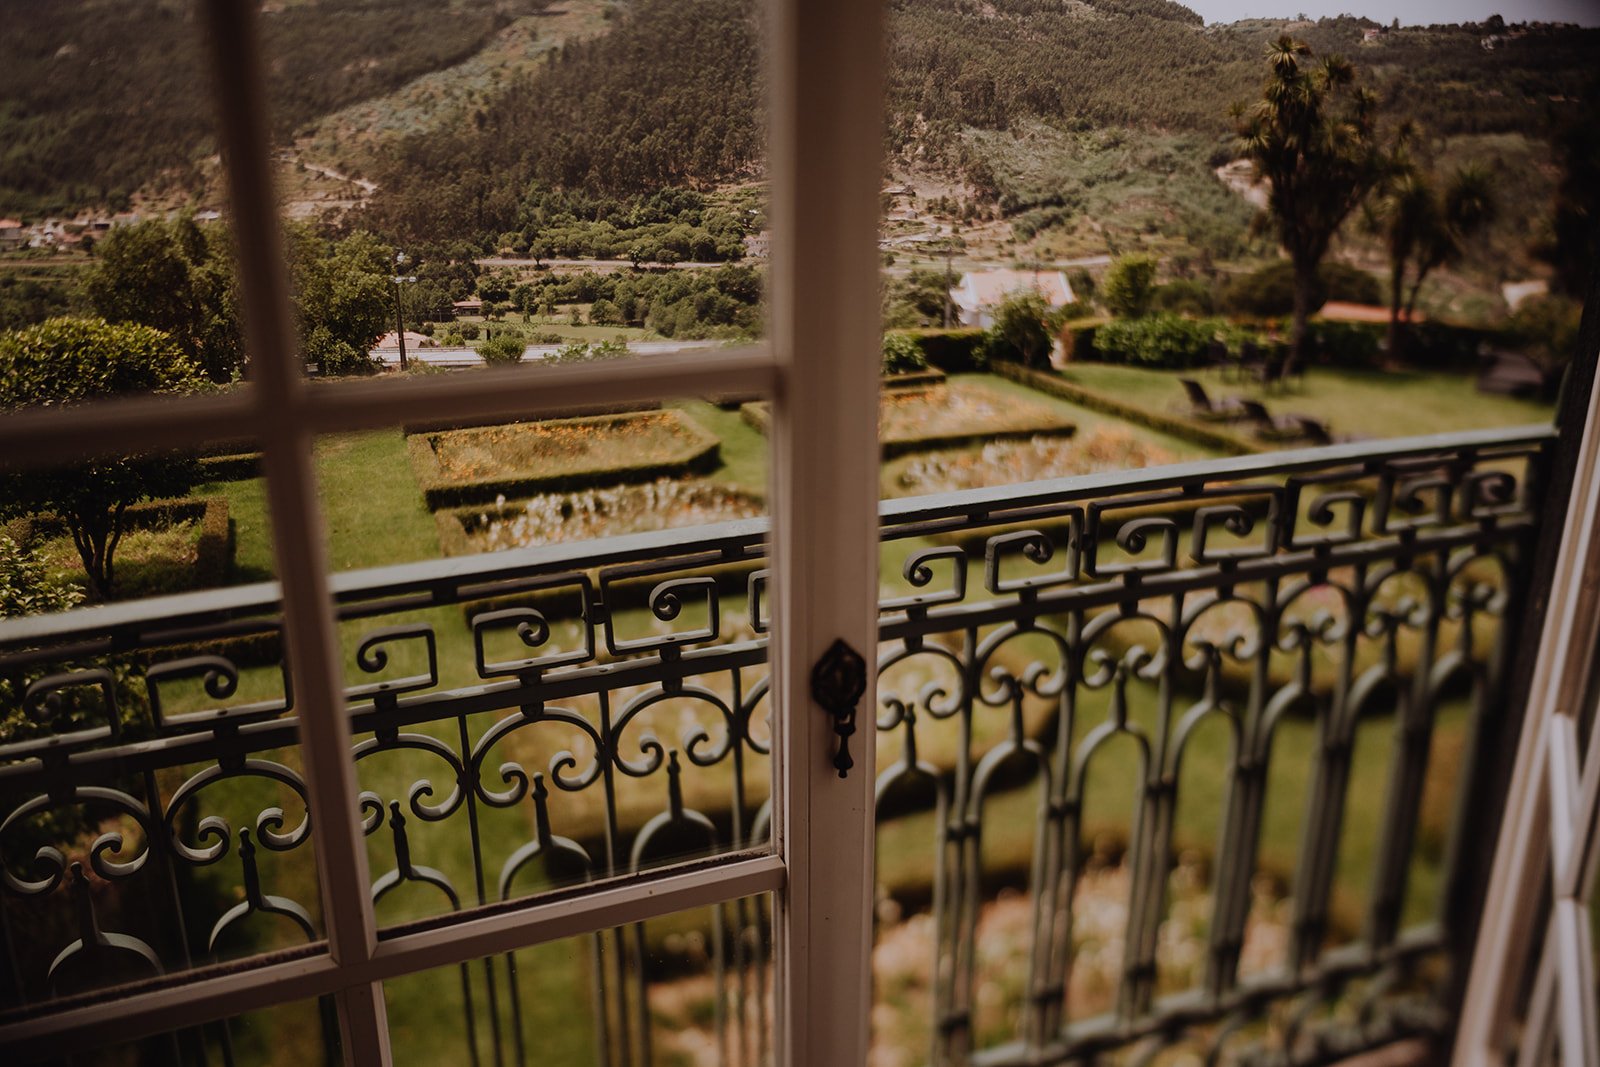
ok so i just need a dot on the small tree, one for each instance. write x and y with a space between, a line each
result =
506 346
65 361
1130 284
1424 229
1022 325
178 278
902 355
1312 138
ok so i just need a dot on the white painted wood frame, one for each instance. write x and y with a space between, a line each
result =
820 365
1550 837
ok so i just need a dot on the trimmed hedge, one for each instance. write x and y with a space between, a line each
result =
701 456
1177 426
1077 339
955 351
237 467
910 380
589 411
759 416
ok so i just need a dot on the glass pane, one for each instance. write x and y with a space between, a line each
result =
424 237
113 208
153 813
580 692
300 1032
1146 737
694 987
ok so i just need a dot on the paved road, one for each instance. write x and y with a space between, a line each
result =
586 264
466 357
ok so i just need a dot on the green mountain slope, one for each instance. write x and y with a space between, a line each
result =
99 98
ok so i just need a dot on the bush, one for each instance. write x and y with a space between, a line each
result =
1021 330
1129 286
1077 339
1269 292
1546 328
1162 340
1346 344
504 347
902 354
957 351
1186 295
468 331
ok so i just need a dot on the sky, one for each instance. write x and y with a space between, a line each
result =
1409 12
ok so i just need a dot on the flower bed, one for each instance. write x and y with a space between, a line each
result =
948 416
485 464
1007 462
552 518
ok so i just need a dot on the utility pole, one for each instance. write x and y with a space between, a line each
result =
949 283
400 260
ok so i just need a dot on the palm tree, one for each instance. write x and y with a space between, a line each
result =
1424 229
1312 138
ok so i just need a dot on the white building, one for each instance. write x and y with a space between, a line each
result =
980 292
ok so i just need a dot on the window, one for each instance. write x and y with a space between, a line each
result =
824 73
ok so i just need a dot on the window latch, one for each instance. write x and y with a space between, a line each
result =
837 683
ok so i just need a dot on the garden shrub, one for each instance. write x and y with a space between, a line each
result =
1077 339
1163 340
1346 344
1269 291
902 355
1185 295
954 351
1129 286
468 331
504 347
1023 324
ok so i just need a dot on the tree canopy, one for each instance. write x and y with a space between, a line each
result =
1312 138
69 361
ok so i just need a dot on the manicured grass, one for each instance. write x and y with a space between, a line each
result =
1357 402
1179 448
746 455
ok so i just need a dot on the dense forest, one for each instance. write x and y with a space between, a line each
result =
99 98
671 96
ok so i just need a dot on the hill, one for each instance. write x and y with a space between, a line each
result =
103 98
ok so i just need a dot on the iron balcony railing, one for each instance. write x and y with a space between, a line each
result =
550 717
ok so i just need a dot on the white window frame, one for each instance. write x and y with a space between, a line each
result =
1547 858
819 364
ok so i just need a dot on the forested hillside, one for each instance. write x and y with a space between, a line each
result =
670 96
99 98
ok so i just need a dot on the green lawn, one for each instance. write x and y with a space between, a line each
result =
1357 402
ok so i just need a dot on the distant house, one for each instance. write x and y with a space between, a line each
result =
11 234
1346 311
1371 36
980 292
758 245
391 340
470 306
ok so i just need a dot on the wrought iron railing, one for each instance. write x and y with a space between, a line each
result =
541 718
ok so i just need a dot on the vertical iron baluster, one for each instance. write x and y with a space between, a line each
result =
1408 772
1236 860
469 788
1325 802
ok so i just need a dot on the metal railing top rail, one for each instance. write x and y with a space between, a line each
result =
429 583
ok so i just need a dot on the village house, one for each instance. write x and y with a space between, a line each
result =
980 292
11 233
